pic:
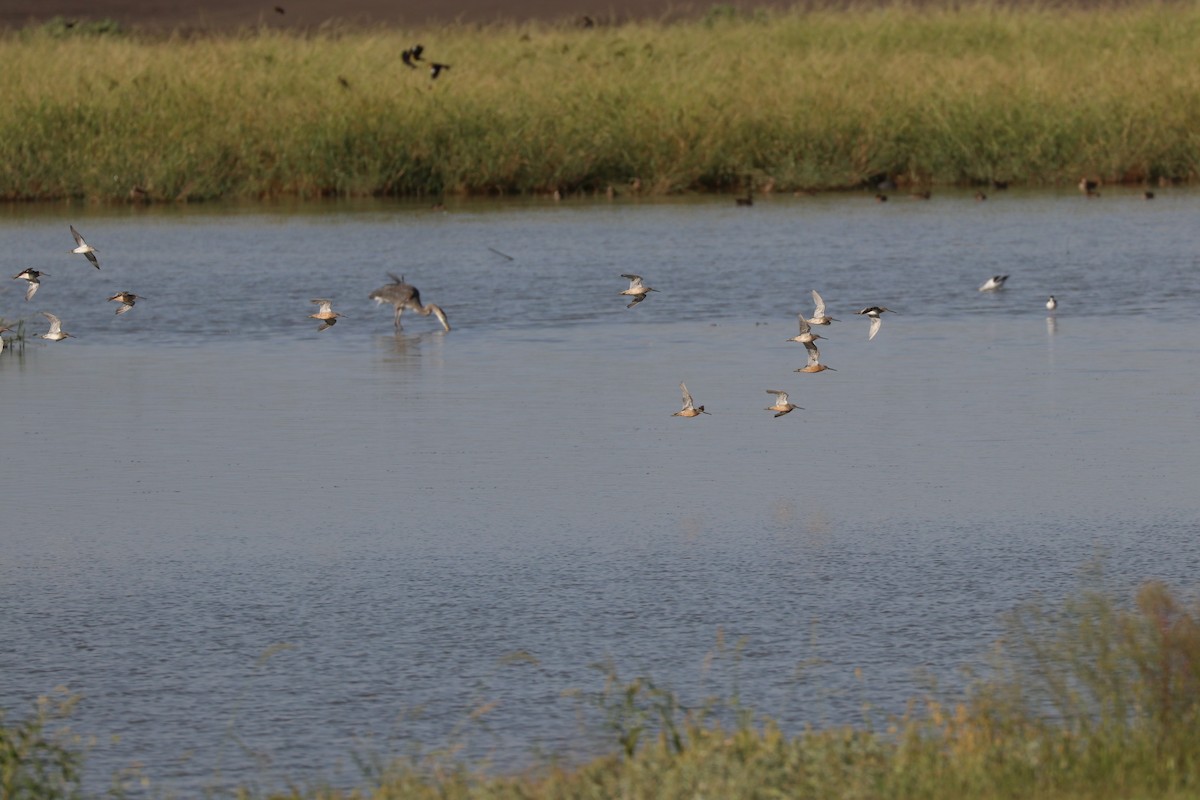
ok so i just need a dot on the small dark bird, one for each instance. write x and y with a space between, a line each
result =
435 69
1147 195
345 83
279 10
980 196
881 198
412 54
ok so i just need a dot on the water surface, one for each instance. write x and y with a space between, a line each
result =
435 521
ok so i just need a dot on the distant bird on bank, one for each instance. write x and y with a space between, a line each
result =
412 54
782 405
56 333
814 360
126 299
994 283
819 317
1051 304
84 249
401 296
690 409
34 277
637 289
280 10
3 341
875 313
1088 187
980 197
436 69
325 313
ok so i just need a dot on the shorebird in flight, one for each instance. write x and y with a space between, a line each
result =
874 313
782 406
637 290
994 283
403 296
126 299
814 360
819 317
690 409
34 277
56 333
325 313
84 249
806 336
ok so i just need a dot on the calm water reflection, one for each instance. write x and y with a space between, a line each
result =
205 477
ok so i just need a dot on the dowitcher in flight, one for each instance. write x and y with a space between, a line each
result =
874 313
806 336
84 249
637 290
814 360
126 299
56 333
819 317
782 406
326 314
34 277
690 409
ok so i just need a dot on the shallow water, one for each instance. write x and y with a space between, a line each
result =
435 521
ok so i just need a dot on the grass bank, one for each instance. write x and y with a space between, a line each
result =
796 101
1097 699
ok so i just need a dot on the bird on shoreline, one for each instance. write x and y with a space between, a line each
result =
874 313
637 289
34 277
325 313
3 341
56 333
690 409
819 317
782 405
403 296
126 299
84 249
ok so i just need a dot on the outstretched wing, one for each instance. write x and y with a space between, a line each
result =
804 326
687 397
819 311
876 322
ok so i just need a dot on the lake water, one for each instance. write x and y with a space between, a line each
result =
258 551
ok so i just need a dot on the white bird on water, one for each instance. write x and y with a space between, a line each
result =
56 333
84 249
994 283
1051 304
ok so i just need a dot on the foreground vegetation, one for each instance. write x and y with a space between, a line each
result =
796 100
1097 699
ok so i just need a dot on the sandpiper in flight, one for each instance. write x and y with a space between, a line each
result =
806 335
34 277
126 299
56 333
690 409
814 360
818 317
874 313
326 314
637 290
84 249
782 406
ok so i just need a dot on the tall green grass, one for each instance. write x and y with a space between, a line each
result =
796 100
1095 698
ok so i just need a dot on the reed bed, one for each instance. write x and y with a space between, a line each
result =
1097 698
815 100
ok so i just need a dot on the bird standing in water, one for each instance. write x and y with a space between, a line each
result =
403 296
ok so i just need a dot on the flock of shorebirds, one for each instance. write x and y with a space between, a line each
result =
638 291
400 295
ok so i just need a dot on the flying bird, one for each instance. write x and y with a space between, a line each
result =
637 290
56 333
84 249
325 313
814 360
819 317
806 336
412 54
993 283
874 313
689 408
126 299
781 406
34 277
435 69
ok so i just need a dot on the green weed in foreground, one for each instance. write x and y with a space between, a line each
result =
795 100
1094 699
39 760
